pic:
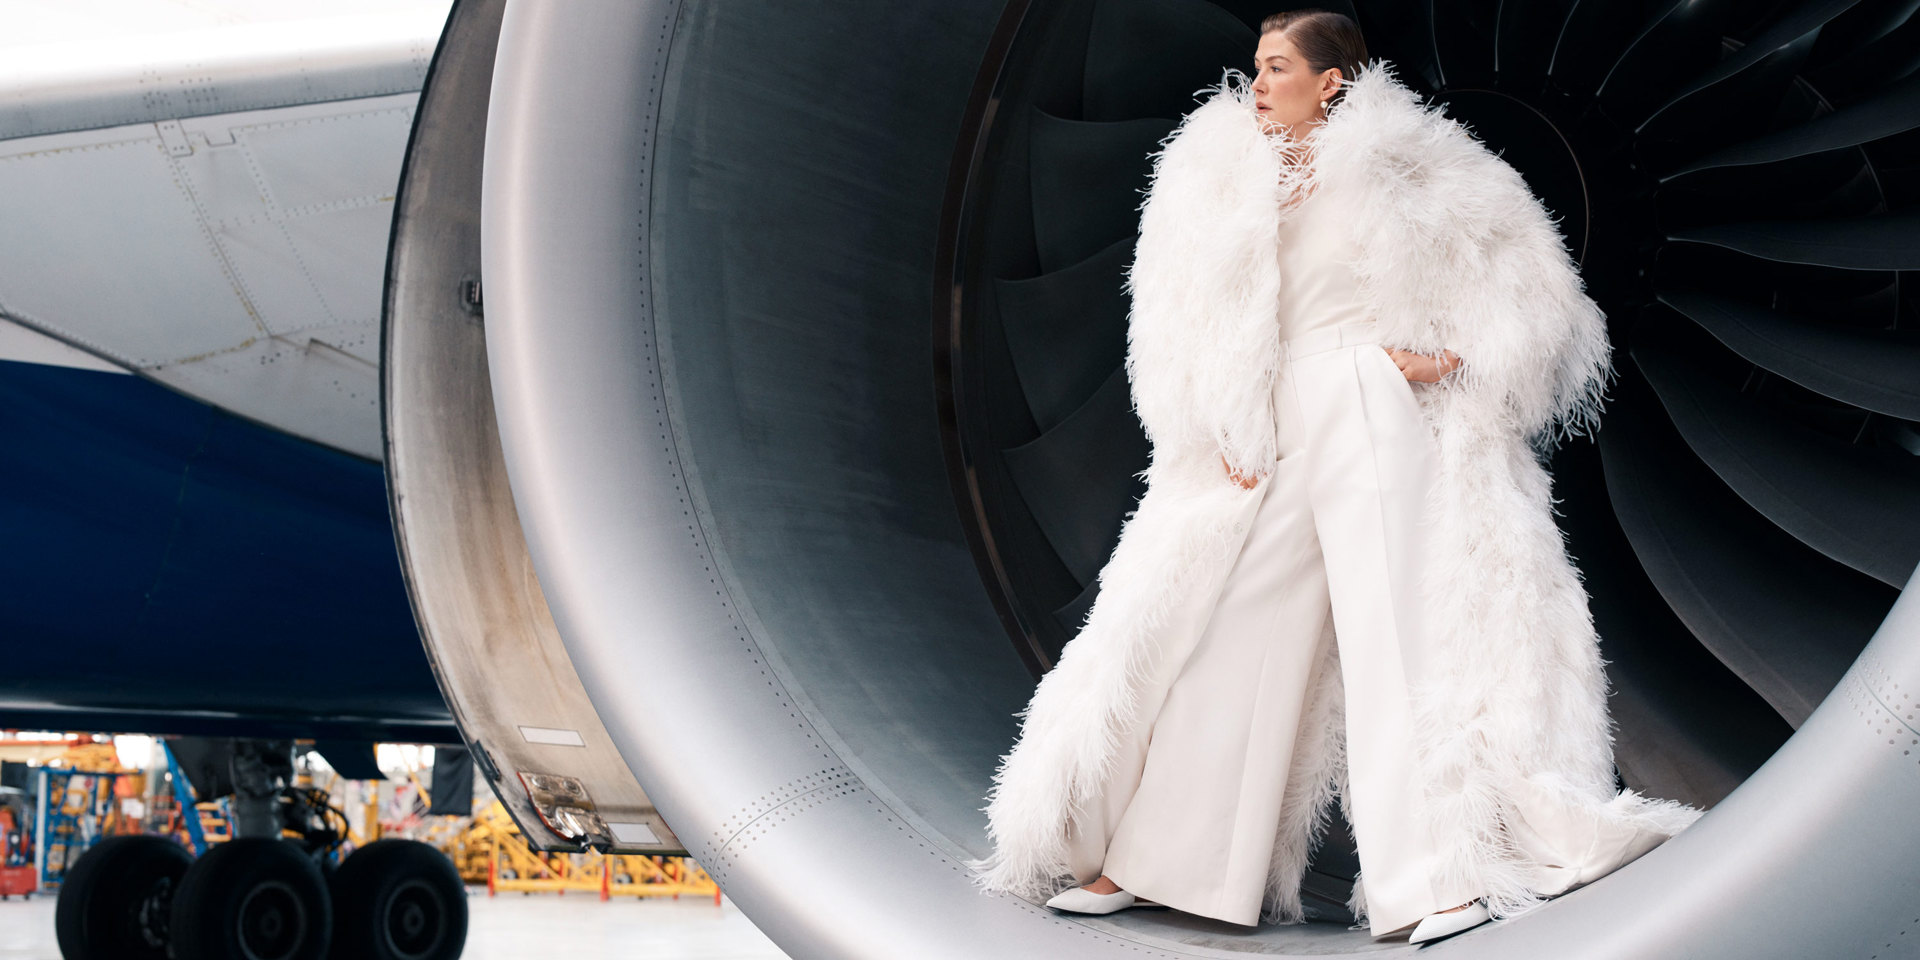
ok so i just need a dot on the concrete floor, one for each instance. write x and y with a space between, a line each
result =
518 927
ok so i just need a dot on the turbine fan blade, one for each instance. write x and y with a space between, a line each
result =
1523 46
1886 59
1859 506
1787 621
1855 243
1073 615
1404 27
1732 108
1656 52
1796 26
1687 725
1463 40
1067 331
1087 182
1876 370
1079 479
1893 112
1145 58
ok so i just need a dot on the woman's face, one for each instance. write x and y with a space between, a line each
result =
1286 91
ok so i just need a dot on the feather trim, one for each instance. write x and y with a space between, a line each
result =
1087 704
1202 341
1456 254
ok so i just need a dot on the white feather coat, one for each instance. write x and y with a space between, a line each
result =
1456 253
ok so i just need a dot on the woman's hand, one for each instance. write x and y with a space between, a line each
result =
1422 368
1245 482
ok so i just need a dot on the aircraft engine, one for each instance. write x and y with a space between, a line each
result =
756 429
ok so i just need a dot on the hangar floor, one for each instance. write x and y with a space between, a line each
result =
515 927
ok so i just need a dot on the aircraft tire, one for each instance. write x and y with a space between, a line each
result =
398 900
105 902
253 897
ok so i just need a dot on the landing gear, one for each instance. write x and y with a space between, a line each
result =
261 895
255 898
252 898
398 900
115 899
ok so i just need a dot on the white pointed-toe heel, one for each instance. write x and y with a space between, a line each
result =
1082 900
1437 925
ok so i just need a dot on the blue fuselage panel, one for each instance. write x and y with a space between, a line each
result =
169 567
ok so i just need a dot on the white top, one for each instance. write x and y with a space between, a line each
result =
1318 287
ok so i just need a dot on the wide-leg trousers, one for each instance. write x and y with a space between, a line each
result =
1337 533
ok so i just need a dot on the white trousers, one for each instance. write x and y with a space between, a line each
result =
1337 533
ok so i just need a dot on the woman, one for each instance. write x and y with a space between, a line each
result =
1355 336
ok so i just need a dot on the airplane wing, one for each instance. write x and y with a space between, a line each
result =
207 205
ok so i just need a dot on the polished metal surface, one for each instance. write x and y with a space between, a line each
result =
745 771
500 664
